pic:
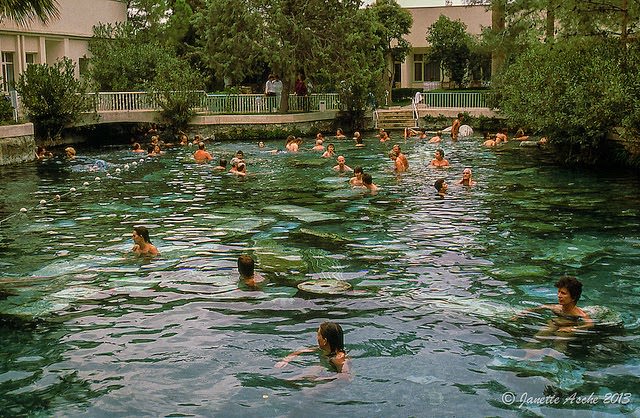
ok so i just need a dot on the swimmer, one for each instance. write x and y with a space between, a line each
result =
401 163
151 150
359 141
201 156
70 152
239 157
455 127
367 182
42 153
356 135
318 146
239 169
261 144
466 179
441 187
222 165
436 139
356 180
330 343
137 147
341 167
520 136
197 139
569 318
246 268
501 136
330 152
410 132
439 160
292 144
383 135
157 150
488 140
340 134
143 245
184 139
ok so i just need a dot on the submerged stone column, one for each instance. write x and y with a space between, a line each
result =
17 144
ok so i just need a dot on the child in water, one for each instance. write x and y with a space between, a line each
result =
330 343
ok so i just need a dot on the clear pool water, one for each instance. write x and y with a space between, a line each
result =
89 330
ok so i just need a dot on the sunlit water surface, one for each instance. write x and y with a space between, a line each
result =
88 329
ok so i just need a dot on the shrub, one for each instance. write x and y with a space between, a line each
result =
52 96
6 110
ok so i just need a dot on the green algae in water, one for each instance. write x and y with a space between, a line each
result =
516 272
301 213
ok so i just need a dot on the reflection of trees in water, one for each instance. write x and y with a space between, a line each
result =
29 354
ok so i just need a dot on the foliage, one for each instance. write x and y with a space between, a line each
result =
52 96
392 23
23 11
575 101
179 89
6 110
404 93
450 45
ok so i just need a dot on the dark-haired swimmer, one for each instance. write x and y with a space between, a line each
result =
439 160
222 165
330 343
330 152
246 268
441 187
143 245
367 182
356 180
569 318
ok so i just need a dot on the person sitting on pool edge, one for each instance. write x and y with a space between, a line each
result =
143 245
569 318
330 343
246 268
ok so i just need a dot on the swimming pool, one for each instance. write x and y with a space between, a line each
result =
428 328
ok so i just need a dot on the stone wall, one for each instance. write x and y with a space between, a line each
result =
17 144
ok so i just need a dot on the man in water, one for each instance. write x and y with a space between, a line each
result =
455 127
441 187
341 167
401 162
202 156
367 182
439 160
246 268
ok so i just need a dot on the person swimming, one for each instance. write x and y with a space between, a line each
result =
246 268
330 343
143 245
568 317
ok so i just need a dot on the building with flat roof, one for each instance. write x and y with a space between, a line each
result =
417 71
65 36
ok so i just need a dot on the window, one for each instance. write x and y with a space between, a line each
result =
417 67
30 58
425 70
8 81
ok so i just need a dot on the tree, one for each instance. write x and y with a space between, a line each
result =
23 11
52 96
574 101
391 25
450 45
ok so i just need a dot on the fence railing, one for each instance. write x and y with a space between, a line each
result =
454 99
217 103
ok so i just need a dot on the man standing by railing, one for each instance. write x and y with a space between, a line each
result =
269 87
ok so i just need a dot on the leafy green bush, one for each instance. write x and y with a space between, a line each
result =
6 111
52 96
575 92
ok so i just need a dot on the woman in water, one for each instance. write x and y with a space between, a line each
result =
467 179
143 245
330 343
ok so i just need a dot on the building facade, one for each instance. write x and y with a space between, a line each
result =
417 71
65 36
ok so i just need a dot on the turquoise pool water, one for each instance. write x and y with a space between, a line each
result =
89 330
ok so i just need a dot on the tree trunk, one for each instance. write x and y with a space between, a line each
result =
389 75
286 88
498 8
551 20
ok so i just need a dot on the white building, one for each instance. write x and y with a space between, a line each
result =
416 71
66 36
